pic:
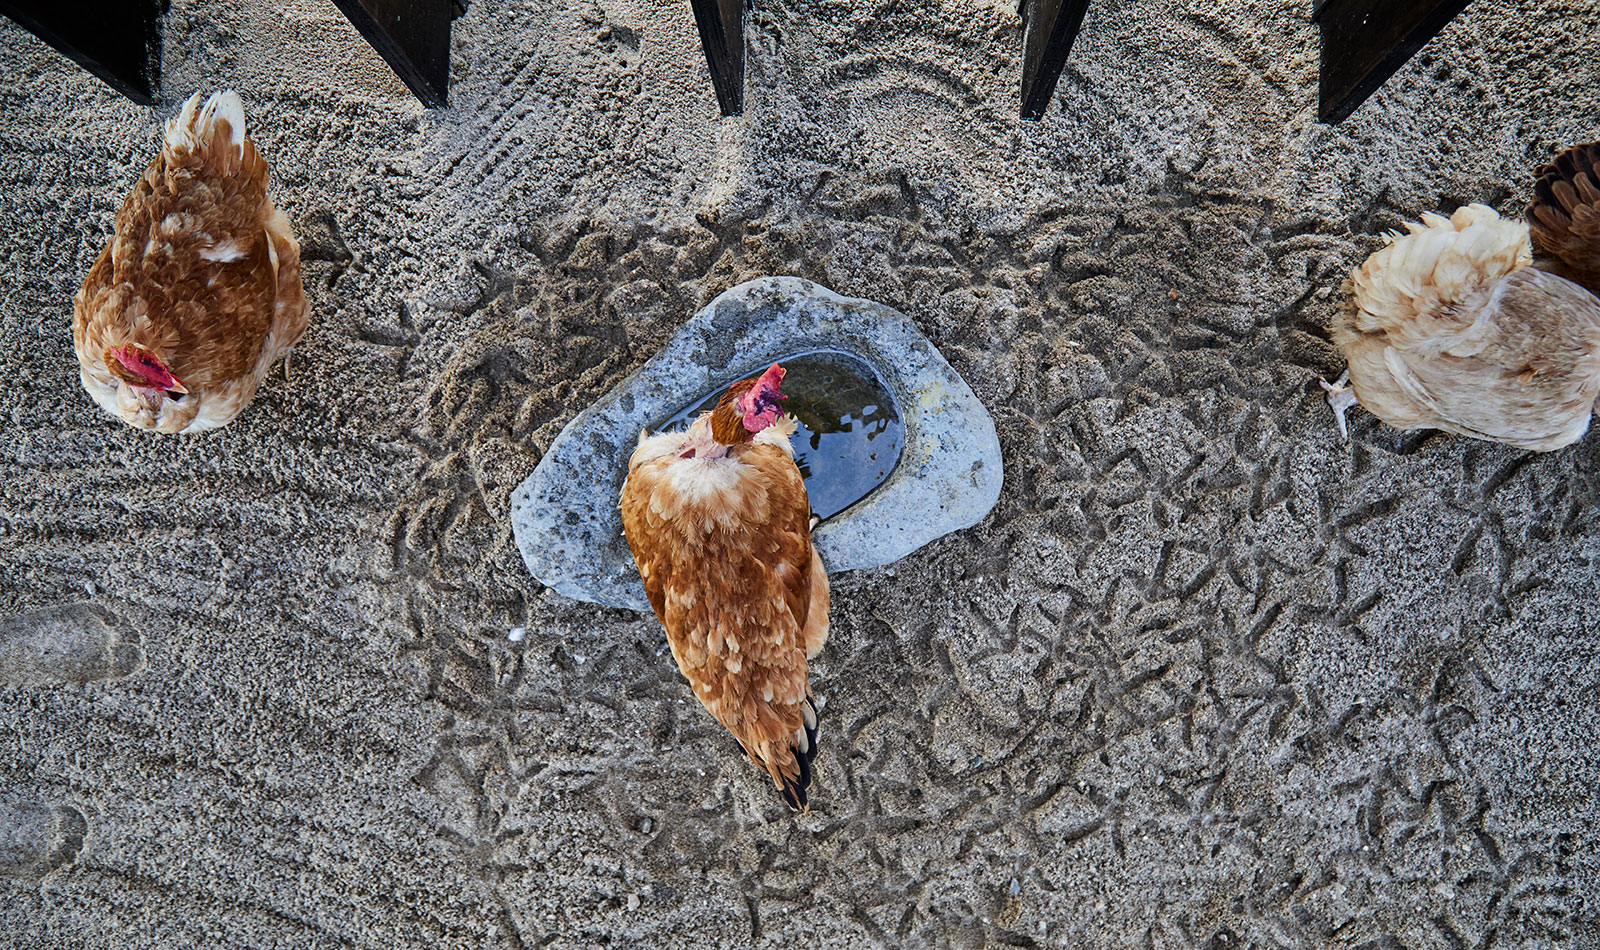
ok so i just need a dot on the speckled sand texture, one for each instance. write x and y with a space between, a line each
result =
1204 678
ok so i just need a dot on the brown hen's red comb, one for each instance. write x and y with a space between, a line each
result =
142 368
756 400
769 381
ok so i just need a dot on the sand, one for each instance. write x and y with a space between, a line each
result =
1205 677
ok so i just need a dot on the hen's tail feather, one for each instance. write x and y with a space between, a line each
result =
215 131
805 749
180 128
1564 216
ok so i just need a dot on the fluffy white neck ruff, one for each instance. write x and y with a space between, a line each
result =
699 443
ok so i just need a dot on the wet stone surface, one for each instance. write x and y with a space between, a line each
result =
849 435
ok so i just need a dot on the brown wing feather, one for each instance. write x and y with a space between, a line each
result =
816 628
1564 216
735 599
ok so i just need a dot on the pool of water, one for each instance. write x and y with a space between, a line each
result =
850 433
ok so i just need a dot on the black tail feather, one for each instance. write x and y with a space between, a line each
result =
795 790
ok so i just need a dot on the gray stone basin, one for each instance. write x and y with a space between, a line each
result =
565 517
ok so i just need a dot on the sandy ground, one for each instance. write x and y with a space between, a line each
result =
1205 677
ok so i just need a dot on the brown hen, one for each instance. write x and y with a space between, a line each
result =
198 292
719 524
1564 217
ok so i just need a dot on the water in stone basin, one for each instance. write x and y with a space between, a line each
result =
850 433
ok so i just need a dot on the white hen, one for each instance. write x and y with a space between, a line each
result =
1452 327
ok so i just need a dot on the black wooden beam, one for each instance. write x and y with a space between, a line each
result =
117 40
413 37
1365 41
1048 29
721 24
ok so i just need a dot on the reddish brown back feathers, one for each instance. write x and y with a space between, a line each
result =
1564 216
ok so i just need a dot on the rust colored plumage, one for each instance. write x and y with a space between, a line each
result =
1564 216
719 525
198 292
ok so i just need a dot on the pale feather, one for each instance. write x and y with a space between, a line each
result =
1449 327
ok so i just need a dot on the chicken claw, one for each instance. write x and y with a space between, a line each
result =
1341 397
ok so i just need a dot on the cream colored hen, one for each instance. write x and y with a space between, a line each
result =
1455 326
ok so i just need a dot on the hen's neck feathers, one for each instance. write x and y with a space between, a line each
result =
727 422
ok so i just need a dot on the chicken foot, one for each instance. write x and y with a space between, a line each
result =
1341 398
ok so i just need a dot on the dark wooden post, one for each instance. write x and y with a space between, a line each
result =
1048 29
413 37
721 24
1365 41
117 40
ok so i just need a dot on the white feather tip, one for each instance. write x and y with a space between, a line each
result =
195 123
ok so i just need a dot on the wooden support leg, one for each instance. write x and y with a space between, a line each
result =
1048 29
413 37
721 24
1365 41
117 40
